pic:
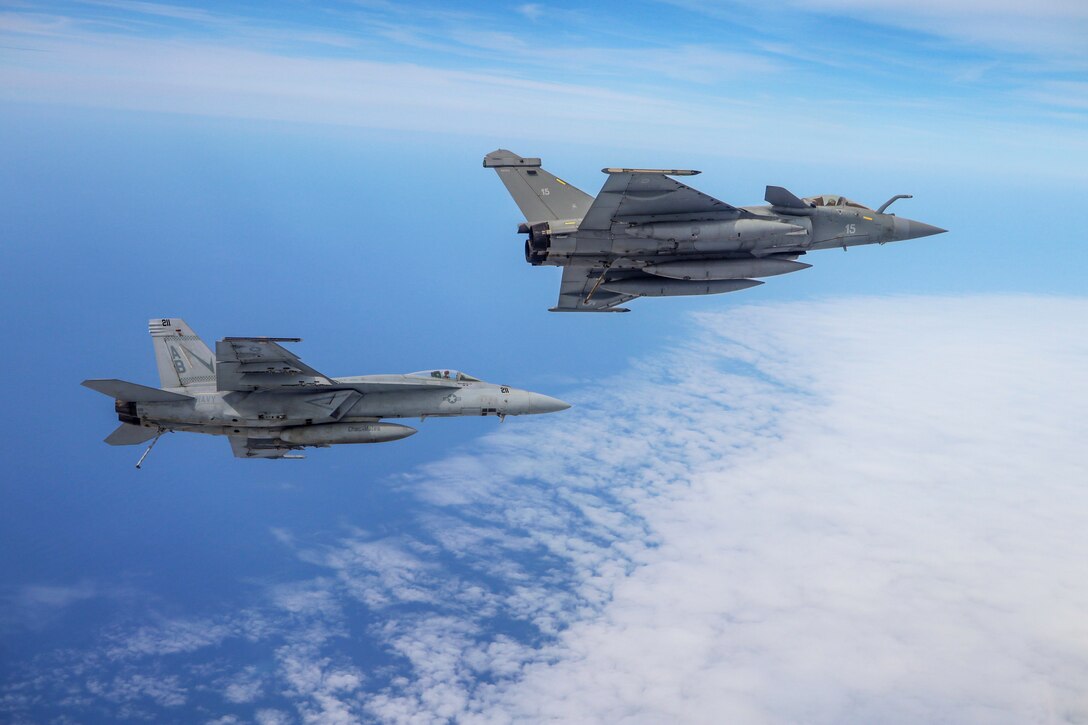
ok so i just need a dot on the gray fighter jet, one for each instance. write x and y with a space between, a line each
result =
646 235
269 403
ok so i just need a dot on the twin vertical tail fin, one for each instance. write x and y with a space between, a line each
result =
184 360
185 364
541 196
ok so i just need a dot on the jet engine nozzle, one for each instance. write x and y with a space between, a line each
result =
126 412
538 243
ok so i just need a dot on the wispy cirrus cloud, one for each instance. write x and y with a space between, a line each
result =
533 11
860 510
1052 30
37 605
762 94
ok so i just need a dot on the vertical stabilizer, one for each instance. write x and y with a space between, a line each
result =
541 196
184 360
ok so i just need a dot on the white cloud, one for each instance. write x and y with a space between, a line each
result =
325 691
245 687
881 523
42 595
270 716
225 720
312 598
36 606
162 690
172 636
533 11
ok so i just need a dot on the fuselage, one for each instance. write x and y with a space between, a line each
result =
762 232
647 234
268 402
268 413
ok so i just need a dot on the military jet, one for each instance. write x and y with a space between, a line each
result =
270 404
647 235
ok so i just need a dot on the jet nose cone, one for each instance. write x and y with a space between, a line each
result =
910 229
920 229
545 404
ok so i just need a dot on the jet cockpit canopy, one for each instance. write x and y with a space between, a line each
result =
834 200
446 375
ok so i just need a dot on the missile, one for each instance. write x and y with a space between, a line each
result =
330 433
665 287
724 268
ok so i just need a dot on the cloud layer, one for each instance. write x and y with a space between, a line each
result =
905 548
862 510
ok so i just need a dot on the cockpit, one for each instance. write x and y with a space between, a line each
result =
834 200
456 375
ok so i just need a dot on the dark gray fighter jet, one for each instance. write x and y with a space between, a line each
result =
647 235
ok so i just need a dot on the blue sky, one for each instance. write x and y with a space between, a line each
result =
314 170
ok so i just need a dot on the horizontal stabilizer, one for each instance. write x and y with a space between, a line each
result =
784 198
130 435
131 392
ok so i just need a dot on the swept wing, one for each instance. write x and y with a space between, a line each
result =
634 195
260 363
631 196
